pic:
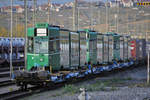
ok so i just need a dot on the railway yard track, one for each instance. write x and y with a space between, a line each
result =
5 75
9 92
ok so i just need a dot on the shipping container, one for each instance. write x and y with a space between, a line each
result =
133 49
140 49
114 46
74 50
91 38
100 48
121 48
83 48
106 49
110 44
126 42
64 48
129 48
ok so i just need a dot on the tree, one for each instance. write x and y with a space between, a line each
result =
3 32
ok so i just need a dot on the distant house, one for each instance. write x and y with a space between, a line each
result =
113 4
6 9
116 3
127 3
42 7
20 9
16 9
100 4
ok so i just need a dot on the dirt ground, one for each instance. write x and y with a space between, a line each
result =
126 85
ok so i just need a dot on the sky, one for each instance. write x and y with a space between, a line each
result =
7 2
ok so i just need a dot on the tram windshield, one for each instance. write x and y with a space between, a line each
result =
41 45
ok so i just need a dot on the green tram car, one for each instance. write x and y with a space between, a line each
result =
55 49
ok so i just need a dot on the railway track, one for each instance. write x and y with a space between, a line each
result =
16 94
6 82
5 75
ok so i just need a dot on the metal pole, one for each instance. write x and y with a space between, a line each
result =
116 22
135 25
78 26
99 16
49 5
25 6
16 25
127 23
75 15
107 26
91 12
118 17
148 69
8 26
11 67
34 12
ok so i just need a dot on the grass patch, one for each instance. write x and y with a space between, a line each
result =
129 78
142 85
55 95
72 89
99 85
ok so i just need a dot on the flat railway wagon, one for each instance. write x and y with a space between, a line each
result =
57 55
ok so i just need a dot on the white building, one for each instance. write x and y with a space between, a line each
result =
127 3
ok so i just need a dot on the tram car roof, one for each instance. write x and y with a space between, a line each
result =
112 34
87 30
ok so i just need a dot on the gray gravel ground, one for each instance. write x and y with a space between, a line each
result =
127 85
